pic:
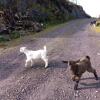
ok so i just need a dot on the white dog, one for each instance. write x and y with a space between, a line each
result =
32 55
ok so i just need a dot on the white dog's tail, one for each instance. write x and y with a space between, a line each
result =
98 54
45 48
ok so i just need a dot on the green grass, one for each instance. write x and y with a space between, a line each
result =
31 36
14 35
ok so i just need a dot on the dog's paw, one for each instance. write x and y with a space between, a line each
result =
97 78
46 66
76 87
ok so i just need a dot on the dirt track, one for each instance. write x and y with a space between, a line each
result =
69 41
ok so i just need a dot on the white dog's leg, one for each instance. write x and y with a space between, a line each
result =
31 63
46 62
98 54
26 64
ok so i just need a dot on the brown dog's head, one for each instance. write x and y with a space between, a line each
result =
73 63
88 57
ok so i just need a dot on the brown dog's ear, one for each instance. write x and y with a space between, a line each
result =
88 57
65 62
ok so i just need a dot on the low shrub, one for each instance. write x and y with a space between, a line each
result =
14 35
3 38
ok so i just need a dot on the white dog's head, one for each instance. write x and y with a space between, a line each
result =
22 49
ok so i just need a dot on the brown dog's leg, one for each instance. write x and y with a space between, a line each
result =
77 79
94 72
76 85
73 77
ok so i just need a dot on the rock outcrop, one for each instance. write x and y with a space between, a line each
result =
34 15
47 10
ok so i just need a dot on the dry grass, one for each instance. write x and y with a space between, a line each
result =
97 29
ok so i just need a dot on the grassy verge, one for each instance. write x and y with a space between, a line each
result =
16 39
97 29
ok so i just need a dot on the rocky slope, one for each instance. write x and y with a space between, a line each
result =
47 10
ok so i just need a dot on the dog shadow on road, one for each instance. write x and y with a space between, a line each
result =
52 64
90 84
57 64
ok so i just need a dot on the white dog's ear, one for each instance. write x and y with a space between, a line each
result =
22 49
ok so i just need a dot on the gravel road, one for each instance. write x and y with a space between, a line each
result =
69 41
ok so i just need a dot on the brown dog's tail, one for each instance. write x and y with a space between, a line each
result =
65 62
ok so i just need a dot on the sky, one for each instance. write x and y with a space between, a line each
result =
92 7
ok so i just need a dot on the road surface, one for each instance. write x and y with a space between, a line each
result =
69 41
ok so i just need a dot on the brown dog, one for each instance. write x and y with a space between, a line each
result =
79 67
